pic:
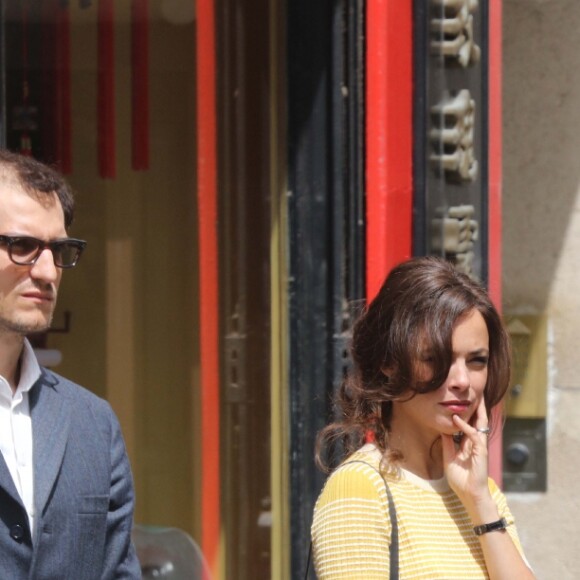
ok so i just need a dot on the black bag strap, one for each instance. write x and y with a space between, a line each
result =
394 547
308 561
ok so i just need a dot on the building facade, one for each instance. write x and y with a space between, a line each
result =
247 172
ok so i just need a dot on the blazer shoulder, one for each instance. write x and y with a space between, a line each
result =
75 393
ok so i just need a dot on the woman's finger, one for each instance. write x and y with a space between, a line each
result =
480 419
475 434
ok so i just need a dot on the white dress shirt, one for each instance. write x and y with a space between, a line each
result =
16 429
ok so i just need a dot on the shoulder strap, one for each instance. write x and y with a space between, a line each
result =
394 547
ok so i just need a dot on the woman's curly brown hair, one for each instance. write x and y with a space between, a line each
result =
419 305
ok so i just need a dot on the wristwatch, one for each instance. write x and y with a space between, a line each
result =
491 527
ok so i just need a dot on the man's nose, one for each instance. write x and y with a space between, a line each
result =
44 268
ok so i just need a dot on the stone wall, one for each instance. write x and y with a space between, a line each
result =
541 250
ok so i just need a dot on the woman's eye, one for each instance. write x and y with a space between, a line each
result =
480 360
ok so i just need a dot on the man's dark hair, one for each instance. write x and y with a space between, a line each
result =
36 178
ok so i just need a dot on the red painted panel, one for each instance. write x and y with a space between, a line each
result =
140 84
209 289
64 116
389 128
50 80
106 89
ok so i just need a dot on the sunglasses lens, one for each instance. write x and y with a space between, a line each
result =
24 250
66 254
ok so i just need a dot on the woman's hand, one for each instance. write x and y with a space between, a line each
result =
465 464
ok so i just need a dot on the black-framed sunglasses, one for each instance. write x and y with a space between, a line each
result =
25 250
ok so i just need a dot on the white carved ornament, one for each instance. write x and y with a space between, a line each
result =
453 31
454 235
452 136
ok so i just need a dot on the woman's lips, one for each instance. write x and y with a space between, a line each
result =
456 406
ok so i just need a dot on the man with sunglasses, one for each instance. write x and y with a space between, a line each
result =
66 491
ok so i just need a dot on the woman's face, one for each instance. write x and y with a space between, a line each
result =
430 414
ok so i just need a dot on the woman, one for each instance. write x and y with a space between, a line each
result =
431 358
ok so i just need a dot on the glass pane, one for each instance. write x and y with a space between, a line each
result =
106 91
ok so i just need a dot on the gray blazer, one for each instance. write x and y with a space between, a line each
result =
83 492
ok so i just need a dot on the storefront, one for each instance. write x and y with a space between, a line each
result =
247 171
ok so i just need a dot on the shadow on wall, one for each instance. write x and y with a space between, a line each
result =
541 120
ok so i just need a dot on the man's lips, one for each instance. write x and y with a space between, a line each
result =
39 296
456 406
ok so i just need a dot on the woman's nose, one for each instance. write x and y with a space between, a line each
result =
458 377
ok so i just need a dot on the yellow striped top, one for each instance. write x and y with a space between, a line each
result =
351 530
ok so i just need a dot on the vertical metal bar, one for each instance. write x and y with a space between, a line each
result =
234 270
356 75
279 339
419 72
346 255
338 321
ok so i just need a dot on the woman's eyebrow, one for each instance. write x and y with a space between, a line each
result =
480 351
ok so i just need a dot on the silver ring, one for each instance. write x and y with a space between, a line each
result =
484 430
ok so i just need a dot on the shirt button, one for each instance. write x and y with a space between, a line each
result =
17 532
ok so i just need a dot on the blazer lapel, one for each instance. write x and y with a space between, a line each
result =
50 426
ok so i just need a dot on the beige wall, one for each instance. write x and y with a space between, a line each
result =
134 296
541 229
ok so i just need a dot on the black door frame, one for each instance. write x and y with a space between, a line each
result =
325 53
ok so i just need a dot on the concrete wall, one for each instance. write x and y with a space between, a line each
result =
541 270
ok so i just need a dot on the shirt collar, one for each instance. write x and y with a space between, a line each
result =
29 373
29 368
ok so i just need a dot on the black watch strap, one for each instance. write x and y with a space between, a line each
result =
491 527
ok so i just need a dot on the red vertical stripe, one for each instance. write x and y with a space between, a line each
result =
63 101
208 252
495 182
50 78
106 89
389 129
140 84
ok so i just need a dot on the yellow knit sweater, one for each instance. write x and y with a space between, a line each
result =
351 530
